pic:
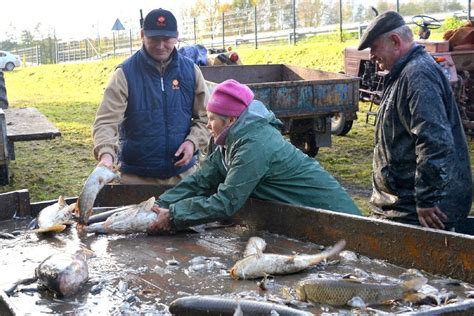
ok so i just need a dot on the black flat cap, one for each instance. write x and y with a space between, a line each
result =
384 23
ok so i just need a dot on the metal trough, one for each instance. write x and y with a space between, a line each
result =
436 252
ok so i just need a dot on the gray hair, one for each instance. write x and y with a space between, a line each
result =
403 31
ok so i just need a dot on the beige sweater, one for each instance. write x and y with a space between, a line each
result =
112 109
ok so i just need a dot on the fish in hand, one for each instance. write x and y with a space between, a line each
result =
94 183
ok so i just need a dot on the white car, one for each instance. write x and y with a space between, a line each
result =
9 61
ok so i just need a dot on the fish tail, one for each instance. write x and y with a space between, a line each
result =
414 284
77 209
334 250
11 290
148 204
98 228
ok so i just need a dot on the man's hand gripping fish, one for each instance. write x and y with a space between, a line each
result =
262 264
94 183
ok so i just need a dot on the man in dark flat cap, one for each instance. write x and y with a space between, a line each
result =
421 164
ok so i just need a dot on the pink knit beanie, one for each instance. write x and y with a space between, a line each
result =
230 98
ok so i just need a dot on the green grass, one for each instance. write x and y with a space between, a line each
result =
69 95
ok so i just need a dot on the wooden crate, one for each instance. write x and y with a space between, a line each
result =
435 46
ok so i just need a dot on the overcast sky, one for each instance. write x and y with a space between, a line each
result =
77 19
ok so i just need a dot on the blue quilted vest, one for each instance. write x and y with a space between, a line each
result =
158 116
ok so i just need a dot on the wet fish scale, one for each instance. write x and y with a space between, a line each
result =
339 292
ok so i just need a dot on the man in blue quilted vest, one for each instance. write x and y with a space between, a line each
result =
152 119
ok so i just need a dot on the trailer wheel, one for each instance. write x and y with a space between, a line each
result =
340 125
306 142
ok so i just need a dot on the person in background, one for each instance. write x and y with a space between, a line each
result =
3 92
421 163
152 119
252 159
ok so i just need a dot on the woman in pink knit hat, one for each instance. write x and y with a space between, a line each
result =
252 159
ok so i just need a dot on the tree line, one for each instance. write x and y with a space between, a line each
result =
272 15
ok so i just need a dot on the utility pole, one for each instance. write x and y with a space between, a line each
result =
294 22
340 20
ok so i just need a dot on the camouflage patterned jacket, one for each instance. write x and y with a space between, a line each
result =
420 156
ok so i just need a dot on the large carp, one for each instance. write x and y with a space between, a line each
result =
133 219
341 291
211 305
61 273
55 217
262 264
94 183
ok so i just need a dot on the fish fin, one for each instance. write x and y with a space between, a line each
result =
50 229
356 302
334 250
11 290
291 259
97 228
61 201
148 204
337 248
414 284
77 209
421 298
352 280
233 273
33 224
259 253
86 252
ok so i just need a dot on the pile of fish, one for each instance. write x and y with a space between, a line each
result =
64 273
331 291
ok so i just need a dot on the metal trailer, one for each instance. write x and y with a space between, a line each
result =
304 99
432 251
